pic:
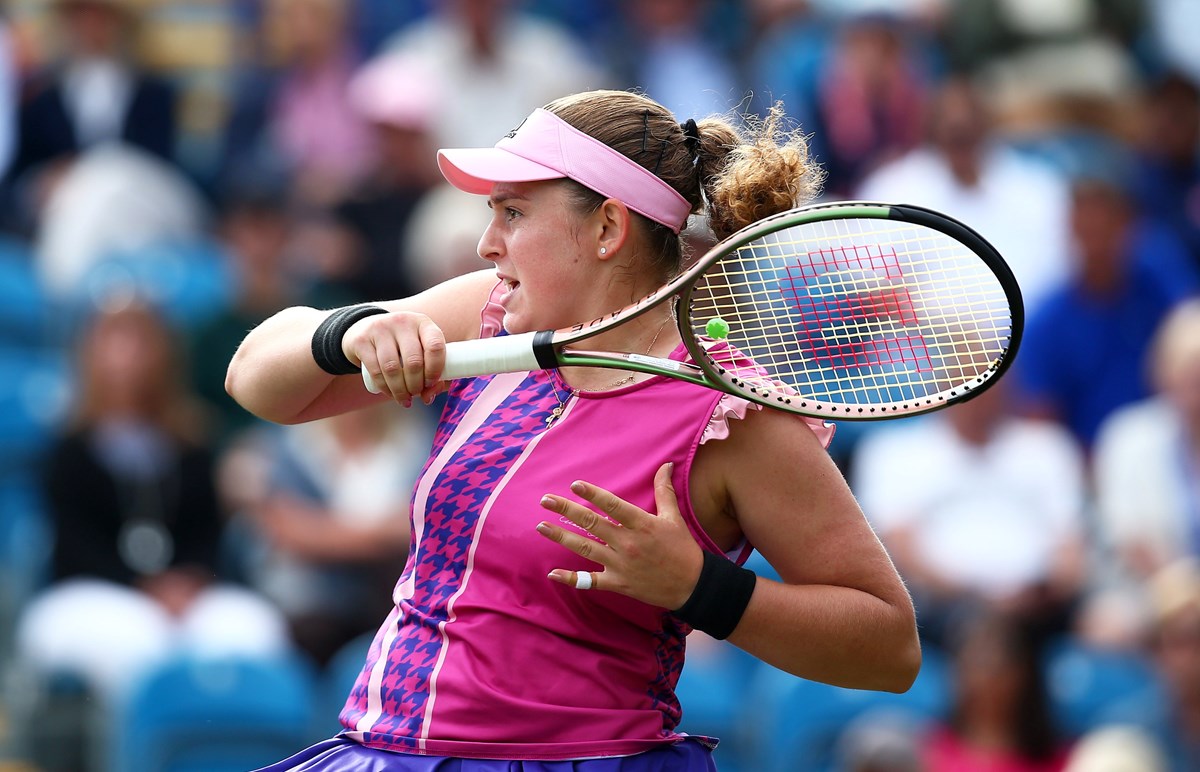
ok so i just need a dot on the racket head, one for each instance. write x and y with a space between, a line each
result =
853 311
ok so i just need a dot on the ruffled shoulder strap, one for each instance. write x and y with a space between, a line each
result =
731 408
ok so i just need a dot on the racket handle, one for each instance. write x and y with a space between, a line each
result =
468 358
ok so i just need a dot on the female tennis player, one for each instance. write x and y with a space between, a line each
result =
572 526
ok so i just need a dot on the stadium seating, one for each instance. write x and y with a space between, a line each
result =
798 724
337 681
188 281
25 309
214 715
1090 687
713 692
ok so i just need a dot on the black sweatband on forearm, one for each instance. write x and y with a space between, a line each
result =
720 597
327 339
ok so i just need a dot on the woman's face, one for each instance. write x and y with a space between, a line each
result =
126 358
537 240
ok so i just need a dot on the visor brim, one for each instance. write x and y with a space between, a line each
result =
475 170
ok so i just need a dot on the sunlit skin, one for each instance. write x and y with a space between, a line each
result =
554 282
548 286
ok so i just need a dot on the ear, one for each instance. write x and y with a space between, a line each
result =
611 224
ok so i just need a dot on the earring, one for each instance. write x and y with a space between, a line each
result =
604 250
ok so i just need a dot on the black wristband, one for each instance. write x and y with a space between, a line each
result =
327 339
720 598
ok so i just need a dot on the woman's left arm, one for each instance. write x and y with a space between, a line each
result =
842 614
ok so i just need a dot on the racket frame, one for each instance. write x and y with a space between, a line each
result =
716 376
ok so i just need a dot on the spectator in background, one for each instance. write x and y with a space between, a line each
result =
862 97
443 236
1050 68
1173 34
94 92
978 508
1175 645
8 97
399 97
1116 748
1168 174
374 21
870 101
328 517
1085 348
963 169
1147 458
1000 718
667 49
132 497
291 112
257 234
112 199
496 64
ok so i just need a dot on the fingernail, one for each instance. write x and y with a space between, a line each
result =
557 575
408 402
578 486
547 502
543 528
428 383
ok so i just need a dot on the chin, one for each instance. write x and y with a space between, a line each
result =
513 324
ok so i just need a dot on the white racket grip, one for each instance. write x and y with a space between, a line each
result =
468 358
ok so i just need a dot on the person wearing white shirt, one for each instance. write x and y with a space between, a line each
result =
977 506
1147 458
1018 204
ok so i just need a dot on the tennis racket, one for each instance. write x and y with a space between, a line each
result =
846 310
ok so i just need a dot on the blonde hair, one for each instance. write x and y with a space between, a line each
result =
735 175
1176 343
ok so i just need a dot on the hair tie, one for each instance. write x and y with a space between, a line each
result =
691 136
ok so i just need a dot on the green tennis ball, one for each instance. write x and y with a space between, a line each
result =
717 328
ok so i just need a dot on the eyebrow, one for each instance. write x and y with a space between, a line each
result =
504 193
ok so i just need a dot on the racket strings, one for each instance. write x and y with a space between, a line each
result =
856 312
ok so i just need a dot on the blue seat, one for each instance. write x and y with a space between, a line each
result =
35 394
25 548
214 715
337 681
25 308
798 723
713 691
1090 687
189 282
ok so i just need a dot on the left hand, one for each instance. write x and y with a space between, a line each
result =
650 558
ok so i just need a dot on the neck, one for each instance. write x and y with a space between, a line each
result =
653 334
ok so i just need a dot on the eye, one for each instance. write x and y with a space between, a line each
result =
511 214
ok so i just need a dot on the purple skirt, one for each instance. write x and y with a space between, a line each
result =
342 755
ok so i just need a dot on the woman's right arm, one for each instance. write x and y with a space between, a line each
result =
274 376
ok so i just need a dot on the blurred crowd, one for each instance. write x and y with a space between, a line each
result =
175 171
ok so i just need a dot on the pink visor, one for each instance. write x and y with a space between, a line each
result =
545 147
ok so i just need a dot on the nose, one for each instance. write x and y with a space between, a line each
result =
490 245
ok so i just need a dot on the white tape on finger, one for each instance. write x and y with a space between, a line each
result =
583 580
369 382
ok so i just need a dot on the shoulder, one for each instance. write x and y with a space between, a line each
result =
766 433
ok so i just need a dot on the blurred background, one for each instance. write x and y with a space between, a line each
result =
183 587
